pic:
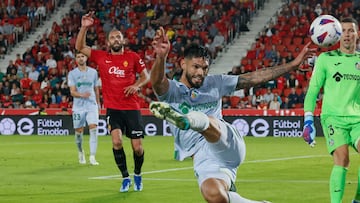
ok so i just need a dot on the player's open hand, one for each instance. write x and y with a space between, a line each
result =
304 54
161 43
132 89
87 20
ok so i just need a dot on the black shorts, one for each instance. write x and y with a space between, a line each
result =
128 121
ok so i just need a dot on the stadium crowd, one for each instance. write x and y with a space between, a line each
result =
37 78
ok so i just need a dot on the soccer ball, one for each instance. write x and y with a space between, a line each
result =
242 126
325 31
7 126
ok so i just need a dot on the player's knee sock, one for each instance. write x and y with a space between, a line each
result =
357 195
337 183
120 160
138 160
93 141
236 198
78 141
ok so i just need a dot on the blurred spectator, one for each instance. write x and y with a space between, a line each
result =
91 36
45 84
42 111
64 103
149 32
225 102
33 74
16 94
234 71
285 104
262 105
25 82
7 103
318 10
64 111
268 96
293 98
292 82
3 45
46 99
42 75
6 88
51 62
11 68
8 29
65 90
274 104
29 103
219 42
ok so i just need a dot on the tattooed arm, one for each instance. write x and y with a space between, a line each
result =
263 75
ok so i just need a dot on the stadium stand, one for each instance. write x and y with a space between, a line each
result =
259 33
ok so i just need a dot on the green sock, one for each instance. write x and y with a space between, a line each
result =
357 195
337 183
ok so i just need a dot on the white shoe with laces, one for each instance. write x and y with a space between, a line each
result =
93 161
82 159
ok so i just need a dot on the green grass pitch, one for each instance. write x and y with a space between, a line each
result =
41 169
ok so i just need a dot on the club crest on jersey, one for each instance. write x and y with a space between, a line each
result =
357 65
125 64
194 94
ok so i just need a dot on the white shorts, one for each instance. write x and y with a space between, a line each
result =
220 160
80 118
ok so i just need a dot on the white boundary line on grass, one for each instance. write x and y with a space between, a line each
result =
188 168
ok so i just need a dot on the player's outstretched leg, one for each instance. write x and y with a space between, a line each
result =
195 120
125 185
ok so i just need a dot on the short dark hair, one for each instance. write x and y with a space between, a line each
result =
351 20
194 50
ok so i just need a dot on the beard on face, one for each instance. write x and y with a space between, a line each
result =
116 48
194 85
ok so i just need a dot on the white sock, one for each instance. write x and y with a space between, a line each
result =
236 198
198 121
93 141
78 141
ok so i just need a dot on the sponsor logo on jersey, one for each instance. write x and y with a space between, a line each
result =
337 76
114 70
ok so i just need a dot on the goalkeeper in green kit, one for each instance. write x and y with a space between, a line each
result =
338 73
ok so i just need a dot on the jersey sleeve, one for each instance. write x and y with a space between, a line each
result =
228 83
71 81
139 63
316 82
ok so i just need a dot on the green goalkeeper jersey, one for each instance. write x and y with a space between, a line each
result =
339 75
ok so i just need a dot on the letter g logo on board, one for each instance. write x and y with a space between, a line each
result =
259 128
25 126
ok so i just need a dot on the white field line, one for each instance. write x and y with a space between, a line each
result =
190 168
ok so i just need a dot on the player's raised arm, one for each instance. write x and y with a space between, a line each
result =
80 45
158 78
261 76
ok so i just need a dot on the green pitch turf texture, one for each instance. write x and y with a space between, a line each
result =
37 169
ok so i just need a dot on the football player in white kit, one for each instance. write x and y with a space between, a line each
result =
192 106
84 87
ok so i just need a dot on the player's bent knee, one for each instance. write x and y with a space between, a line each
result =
213 191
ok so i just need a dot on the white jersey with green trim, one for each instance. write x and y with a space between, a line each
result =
207 99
